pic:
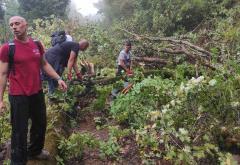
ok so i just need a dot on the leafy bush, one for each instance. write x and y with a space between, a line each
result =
147 96
73 146
178 122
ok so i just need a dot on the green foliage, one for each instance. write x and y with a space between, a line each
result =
43 29
12 7
145 97
103 44
2 12
5 129
109 149
102 94
6 162
181 118
107 72
118 133
228 32
114 9
34 9
4 33
162 17
184 72
74 145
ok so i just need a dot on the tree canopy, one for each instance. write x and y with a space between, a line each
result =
32 9
162 16
1 10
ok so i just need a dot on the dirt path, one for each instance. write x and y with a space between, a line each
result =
90 156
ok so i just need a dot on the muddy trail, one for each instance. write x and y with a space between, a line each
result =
96 123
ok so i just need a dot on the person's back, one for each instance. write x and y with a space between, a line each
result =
69 38
61 52
67 47
64 55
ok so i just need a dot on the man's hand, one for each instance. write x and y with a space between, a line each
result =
79 76
69 76
62 85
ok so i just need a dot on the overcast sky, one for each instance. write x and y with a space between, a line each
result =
85 7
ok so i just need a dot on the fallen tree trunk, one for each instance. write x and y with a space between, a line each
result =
202 61
111 80
171 40
175 46
182 50
151 59
91 82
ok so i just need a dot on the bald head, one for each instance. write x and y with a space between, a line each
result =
18 25
19 19
83 44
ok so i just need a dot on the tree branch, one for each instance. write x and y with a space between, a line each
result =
171 40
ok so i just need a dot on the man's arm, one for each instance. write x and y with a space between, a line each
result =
3 81
52 73
75 67
71 61
123 65
77 71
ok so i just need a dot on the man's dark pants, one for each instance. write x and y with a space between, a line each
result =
24 108
52 83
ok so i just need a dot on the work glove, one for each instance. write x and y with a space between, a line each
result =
69 76
79 76
129 72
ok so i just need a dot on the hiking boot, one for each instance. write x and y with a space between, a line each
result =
44 155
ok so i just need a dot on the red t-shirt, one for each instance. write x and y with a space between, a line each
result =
27 64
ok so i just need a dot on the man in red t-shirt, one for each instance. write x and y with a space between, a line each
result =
25 92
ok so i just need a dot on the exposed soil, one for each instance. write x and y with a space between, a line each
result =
128 153
86 124
90 156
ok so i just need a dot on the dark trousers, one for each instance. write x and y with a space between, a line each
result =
24 108
52 83
120 70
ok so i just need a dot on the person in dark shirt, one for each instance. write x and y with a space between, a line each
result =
64 55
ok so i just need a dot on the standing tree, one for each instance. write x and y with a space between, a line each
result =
115 9
32 9
11 8
1 10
